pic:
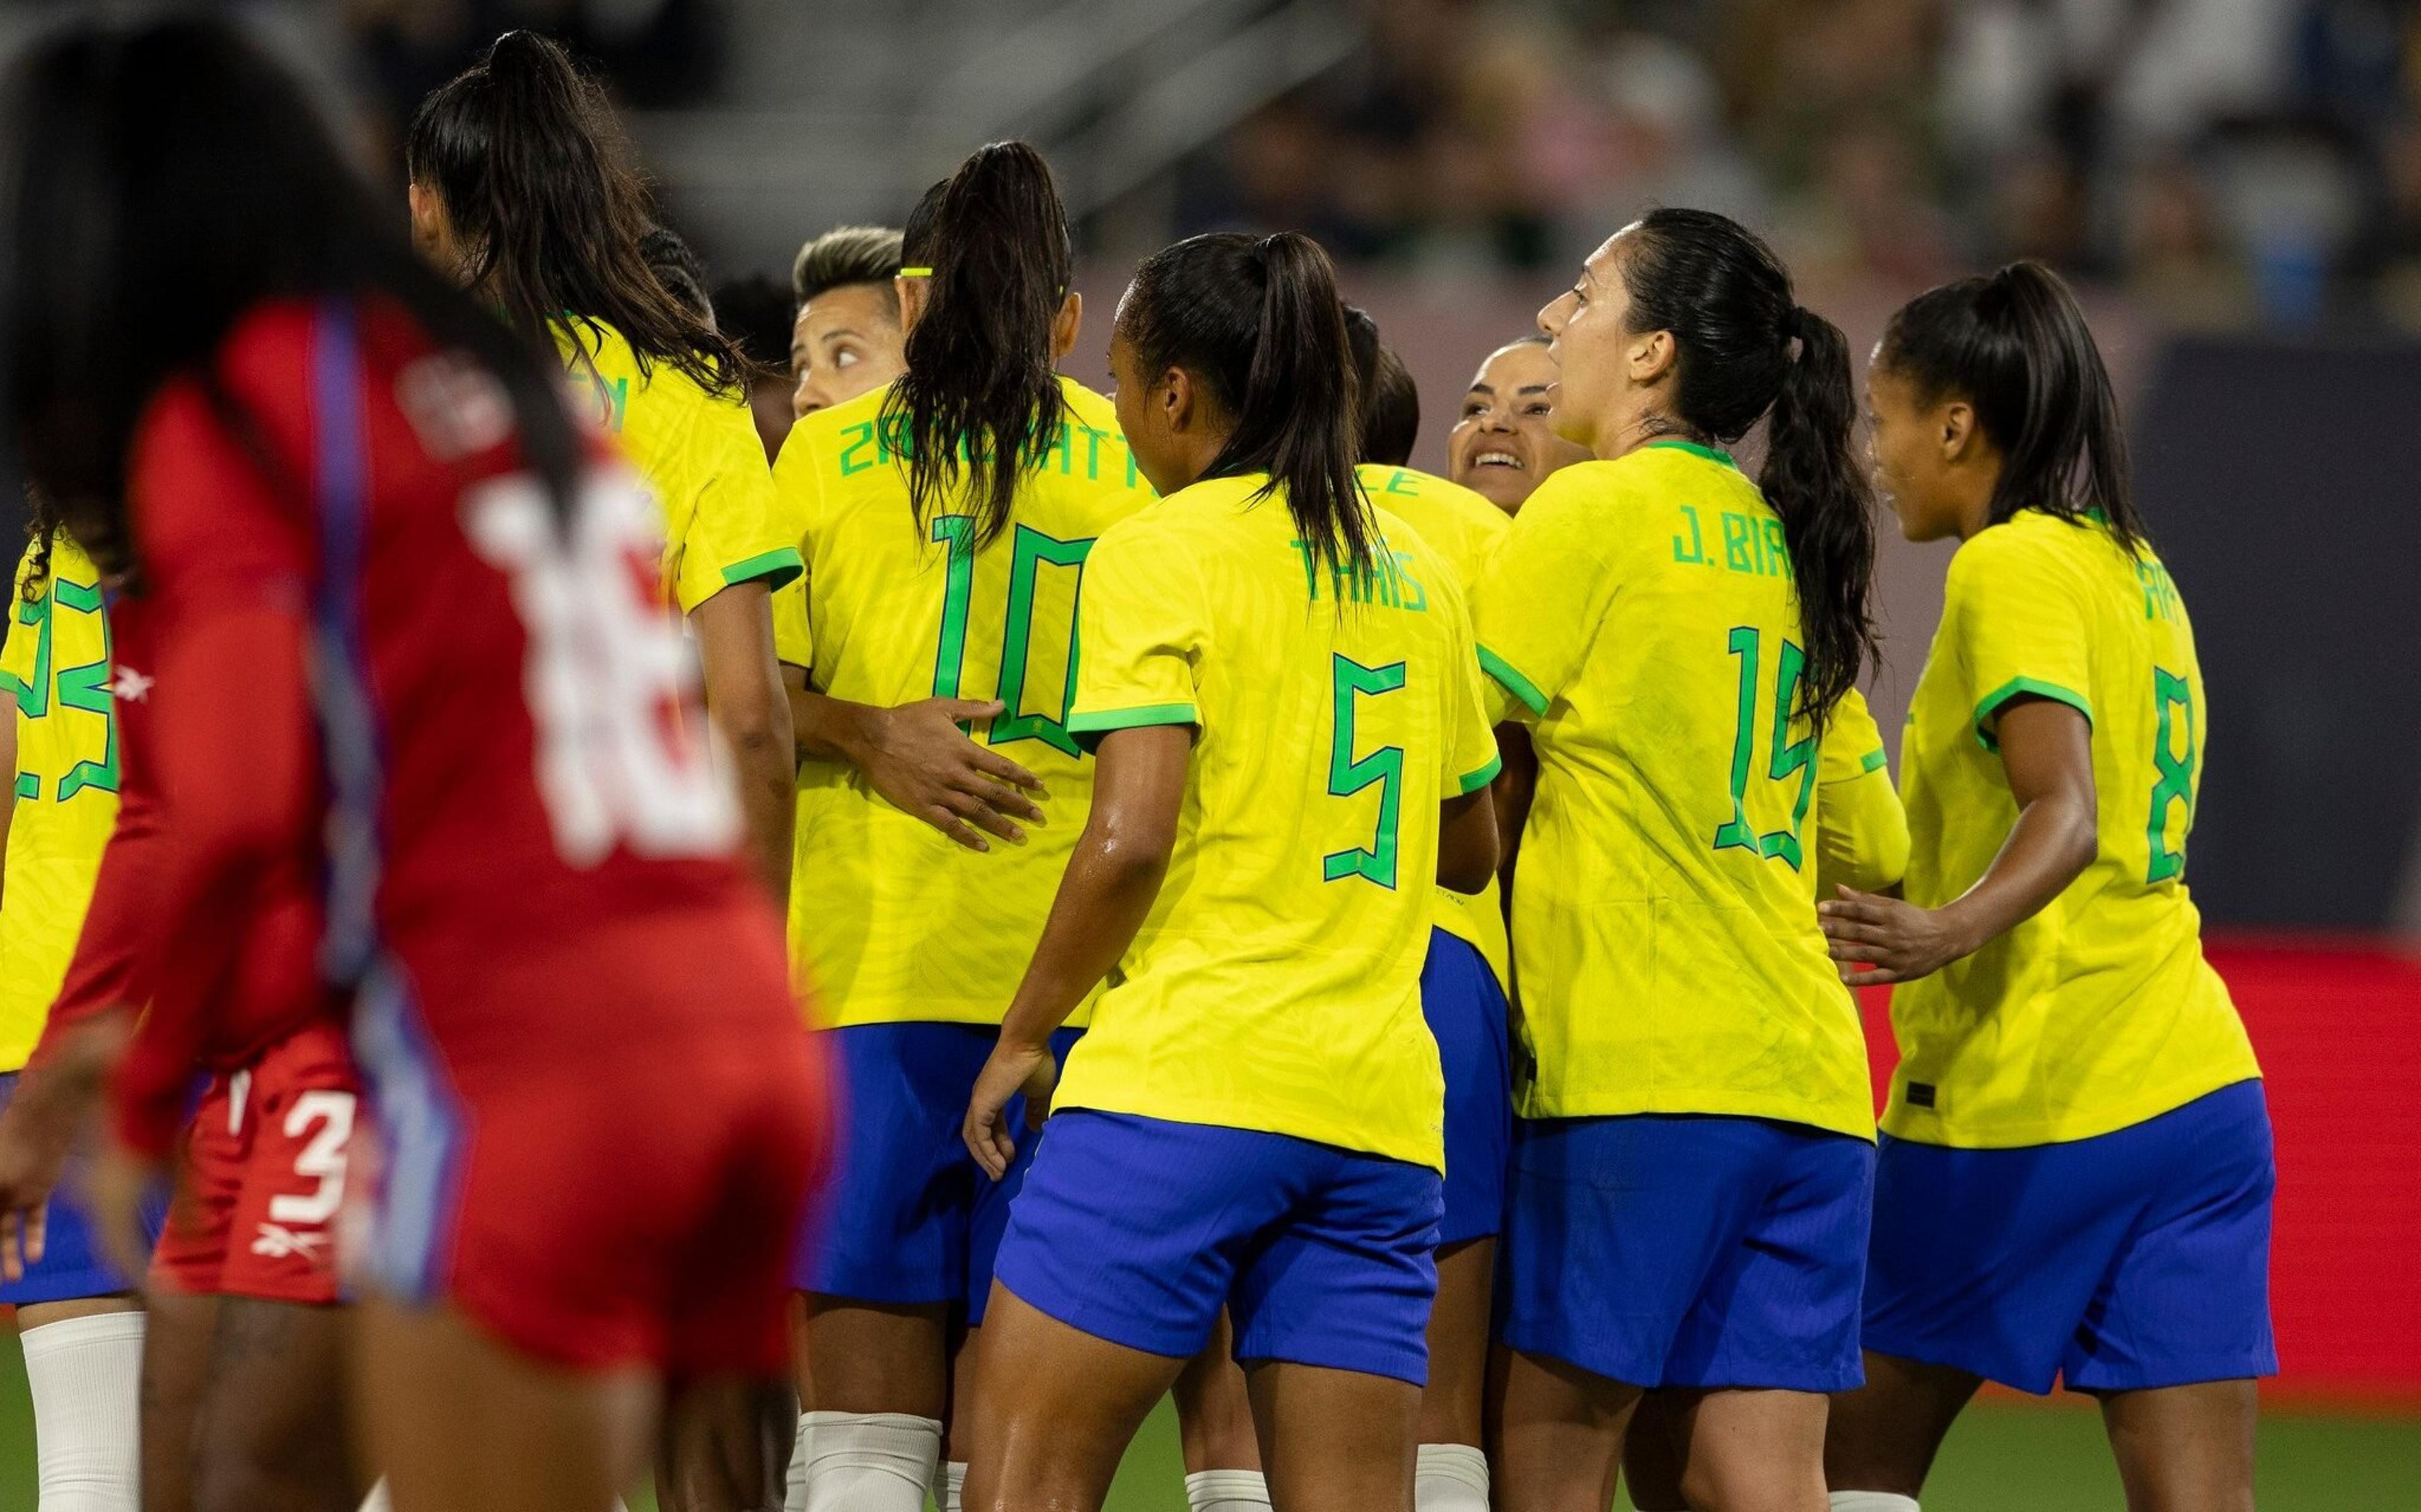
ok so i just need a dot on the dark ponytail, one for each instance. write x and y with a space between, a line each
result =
980 399
1258 326
524 154
1744 350
42 525
2016 347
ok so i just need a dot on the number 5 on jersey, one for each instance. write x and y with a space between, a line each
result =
1351 682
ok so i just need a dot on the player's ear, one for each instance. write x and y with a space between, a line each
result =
1178 402
1067 325
1651 357
1955 429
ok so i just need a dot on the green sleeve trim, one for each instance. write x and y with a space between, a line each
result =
1874 760
778 568
11 687
1088 729
1473 781
2024 688
1514 684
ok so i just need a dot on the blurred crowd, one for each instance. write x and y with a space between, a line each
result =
2232 162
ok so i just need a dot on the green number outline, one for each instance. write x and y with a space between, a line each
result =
2177 774
950 655
1788 756
1348 776
1030 550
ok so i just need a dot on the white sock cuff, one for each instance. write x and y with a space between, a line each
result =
1456 1462
52 1339
1226 1491
951 1486
1873 1501
890 1431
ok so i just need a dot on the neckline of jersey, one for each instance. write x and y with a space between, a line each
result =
1713 453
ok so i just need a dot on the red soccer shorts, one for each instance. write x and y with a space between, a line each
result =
264 1176
606 1203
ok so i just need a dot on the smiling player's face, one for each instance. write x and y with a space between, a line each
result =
847 341
1505 443
1911 447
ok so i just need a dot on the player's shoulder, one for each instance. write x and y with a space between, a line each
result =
2030 550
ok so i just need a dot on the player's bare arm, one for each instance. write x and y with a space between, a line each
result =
921 760
745 697
2046 750
1138 792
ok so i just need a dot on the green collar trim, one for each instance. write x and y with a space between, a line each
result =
1713 453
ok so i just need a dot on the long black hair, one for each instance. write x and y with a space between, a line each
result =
980 399
1257 324
522 150
1391 401
42 526
2015 346
162 180
1745 350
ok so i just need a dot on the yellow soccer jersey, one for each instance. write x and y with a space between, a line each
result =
1664 935
2100 1011
54 673
1463 529
1861 828
1277 983
893 919
701 455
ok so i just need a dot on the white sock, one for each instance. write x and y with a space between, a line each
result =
1873 1501
86 1376
950 1487
864 1463
1451 1477
1226 1491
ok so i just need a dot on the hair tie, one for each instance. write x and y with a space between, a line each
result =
915 272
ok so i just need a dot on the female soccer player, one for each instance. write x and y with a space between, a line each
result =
373 537
1691 1184
1291 749
81 1328
522 190
946 521
2077 1175
845 339
1505 444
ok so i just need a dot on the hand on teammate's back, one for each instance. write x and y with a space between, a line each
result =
920 758
1878 940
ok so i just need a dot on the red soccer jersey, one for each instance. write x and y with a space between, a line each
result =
359 589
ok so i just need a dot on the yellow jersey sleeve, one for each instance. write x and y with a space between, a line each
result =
1472 757
1543 596
2020 617
730 526
1861 827
1142 628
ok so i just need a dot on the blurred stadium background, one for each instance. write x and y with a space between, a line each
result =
2235 185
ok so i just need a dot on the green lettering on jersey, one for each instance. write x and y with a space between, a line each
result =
862 436
1093 439
1416 598
1778 549
1696 550
1310 570
958 532
1736 543
1403 480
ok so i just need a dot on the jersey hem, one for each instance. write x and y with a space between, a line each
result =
1473 781
2032 1136
1529 1105
1513 681
2024 688
776 568
1430 1154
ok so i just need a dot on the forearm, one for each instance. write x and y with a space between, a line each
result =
2050 846
1104 900
828 729
766 776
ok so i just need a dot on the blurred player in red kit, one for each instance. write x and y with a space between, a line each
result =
408 616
